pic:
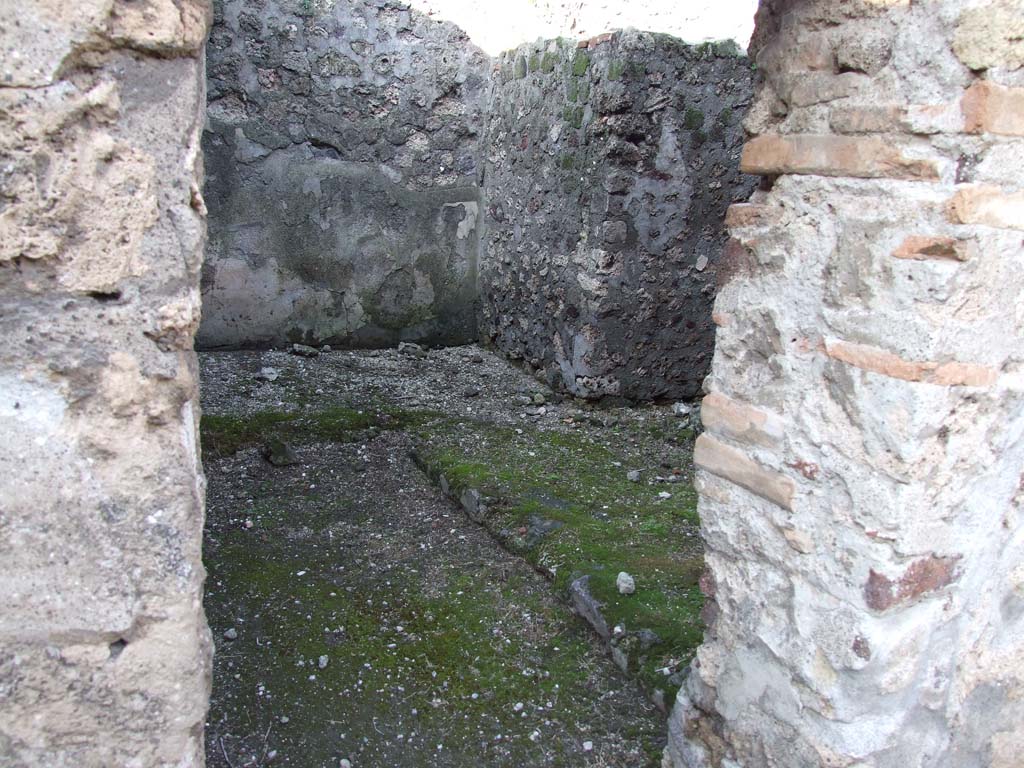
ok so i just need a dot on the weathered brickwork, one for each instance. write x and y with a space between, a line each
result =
104 650
860 478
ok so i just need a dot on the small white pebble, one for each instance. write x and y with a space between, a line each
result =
588 746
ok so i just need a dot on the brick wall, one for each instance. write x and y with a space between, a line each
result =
861 474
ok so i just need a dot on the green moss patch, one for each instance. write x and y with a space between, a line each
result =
573 115
580 64
565 504
223 435
338 636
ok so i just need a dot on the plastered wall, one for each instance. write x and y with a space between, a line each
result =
342 175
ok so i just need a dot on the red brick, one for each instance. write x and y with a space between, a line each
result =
741 215
991 108
922 577
866 157
987 205
886 363
740 421
726 462
923 247
737 260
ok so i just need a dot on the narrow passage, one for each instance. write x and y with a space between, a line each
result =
360 615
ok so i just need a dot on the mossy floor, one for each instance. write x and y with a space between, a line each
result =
600 523
371 621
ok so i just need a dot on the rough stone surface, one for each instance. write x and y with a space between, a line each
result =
869 352
104 650
991 35
342 175
348 194
993 108
609 168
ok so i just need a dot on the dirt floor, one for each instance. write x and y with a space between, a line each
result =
362 619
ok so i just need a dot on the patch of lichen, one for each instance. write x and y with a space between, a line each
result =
521 67
409 315
608 524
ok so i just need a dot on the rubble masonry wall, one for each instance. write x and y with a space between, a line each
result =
860 478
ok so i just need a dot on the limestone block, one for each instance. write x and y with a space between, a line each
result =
921 119
805 90
166 27
105 651
36 37
991 35
865 119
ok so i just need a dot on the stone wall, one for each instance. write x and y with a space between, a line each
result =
609 168
104 651
342 175
860 477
